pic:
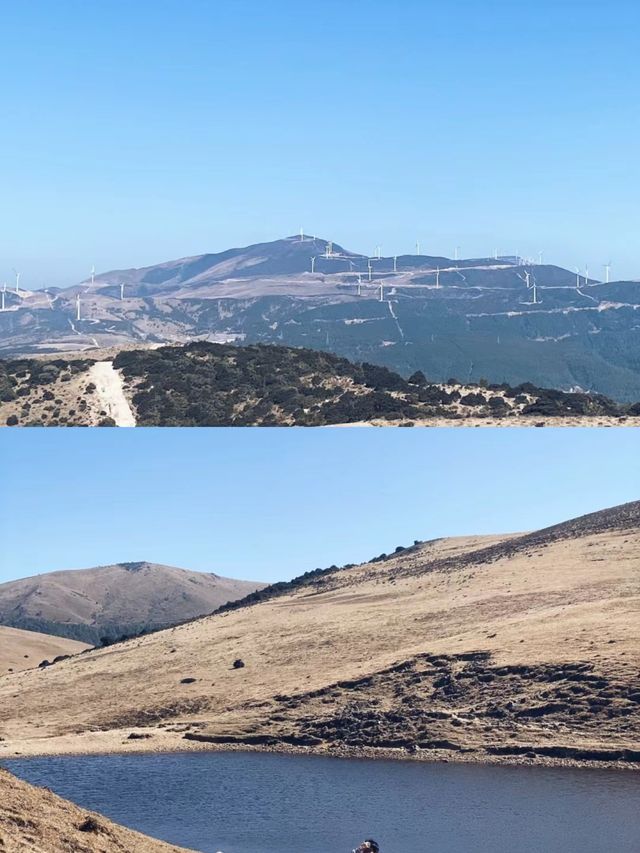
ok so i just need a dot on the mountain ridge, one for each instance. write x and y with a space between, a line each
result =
206 384
503 319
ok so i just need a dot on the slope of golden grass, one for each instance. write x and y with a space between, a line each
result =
33 820
461 645
26 649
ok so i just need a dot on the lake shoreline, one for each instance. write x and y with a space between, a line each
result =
139 741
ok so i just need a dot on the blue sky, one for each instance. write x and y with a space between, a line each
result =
137 132
271 503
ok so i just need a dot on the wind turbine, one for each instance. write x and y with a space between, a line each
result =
121 291
4 290
93 275
607 272
438 277
17 275
359 284
370 269
381 292
395 263
313 264
540 257
77 306
586 276
455 253
535 292
577 279
417 247
378 252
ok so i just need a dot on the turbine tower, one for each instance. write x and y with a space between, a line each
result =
438 277
4 290
395 263
456 253
381 292
17 275
540 257
607 272
77 306
378 252
359 284
313 264
370 269
93 275
121 291
417 247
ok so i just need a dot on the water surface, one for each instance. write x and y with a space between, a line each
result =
263 803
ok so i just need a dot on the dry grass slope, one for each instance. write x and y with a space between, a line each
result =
33 820
26 649
481 648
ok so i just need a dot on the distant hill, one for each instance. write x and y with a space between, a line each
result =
205 384
504 319
512 647
26 649
108 602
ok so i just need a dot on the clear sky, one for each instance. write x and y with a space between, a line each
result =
135 132
268 504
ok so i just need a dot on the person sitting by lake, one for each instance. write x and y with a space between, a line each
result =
368 846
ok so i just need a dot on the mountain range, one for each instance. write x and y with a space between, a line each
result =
99 605
499 319
506 647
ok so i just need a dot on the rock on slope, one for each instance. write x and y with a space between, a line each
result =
114 601
26 649
473 646
33 820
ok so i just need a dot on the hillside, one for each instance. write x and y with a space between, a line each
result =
516 647
105 603
502 319
205 384
26 649
34 820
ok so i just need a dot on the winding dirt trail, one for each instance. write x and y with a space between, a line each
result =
110 389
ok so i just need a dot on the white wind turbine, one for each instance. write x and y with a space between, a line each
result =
4 290
607 272
17 275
